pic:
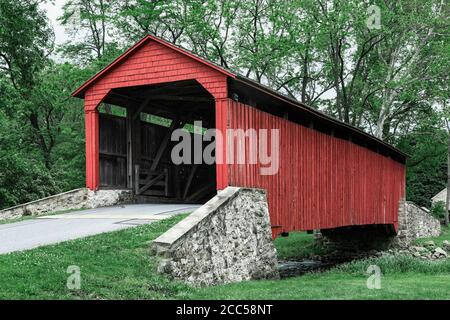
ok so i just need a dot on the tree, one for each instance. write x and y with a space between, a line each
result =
91 19
408 55
447 125
391 81
25 41
447 202
138 18
426 166
23 176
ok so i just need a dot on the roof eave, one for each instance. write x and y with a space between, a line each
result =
309 109
79 93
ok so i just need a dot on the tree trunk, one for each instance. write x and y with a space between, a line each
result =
447 202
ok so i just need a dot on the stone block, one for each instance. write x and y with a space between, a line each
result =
72 200
226 240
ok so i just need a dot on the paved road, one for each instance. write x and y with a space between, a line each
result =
46 230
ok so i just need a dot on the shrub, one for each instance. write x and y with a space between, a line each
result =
438 210
23 180
395 265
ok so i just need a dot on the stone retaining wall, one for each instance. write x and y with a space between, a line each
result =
226 240
414 223
82 198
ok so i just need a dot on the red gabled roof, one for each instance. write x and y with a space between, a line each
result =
79 93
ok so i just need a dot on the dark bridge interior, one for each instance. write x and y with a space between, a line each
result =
136 125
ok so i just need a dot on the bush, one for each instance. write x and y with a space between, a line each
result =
396 265
23 180
438 210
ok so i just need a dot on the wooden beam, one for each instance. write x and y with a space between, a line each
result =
129 149
161 110
125 97
151 92
151 182
181 98
133 145
177 184
175 123
137 173
166 182
189 181
112 154
141 107
200 191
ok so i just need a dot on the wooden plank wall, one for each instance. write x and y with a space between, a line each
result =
113 151
323 181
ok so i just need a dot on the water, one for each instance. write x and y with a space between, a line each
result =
292 268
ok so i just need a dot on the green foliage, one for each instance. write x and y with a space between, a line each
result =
438 210
23 180
25 39
402 263
427 164
90 17
396 265
392 81
445 235
297 245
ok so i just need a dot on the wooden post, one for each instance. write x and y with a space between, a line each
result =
136 131
92 149
189 180
136 178
133 144
174 125
221 146
130 149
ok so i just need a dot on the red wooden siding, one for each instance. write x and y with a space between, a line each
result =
155 63
152 62
323 181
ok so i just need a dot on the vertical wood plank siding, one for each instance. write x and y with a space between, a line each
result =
323 181
151 63
113 151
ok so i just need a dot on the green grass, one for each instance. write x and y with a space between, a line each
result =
445 235
114 265
297 245
118 265
331 285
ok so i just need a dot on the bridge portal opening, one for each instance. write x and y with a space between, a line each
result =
137 126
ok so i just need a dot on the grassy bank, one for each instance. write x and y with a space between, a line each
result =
297 245
117 265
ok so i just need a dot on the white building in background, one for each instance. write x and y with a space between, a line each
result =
441 196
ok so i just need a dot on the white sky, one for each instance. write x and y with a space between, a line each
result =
54 10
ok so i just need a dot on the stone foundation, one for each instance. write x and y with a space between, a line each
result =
415 223
72 200
226 240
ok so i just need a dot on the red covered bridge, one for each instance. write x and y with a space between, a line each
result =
330 174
